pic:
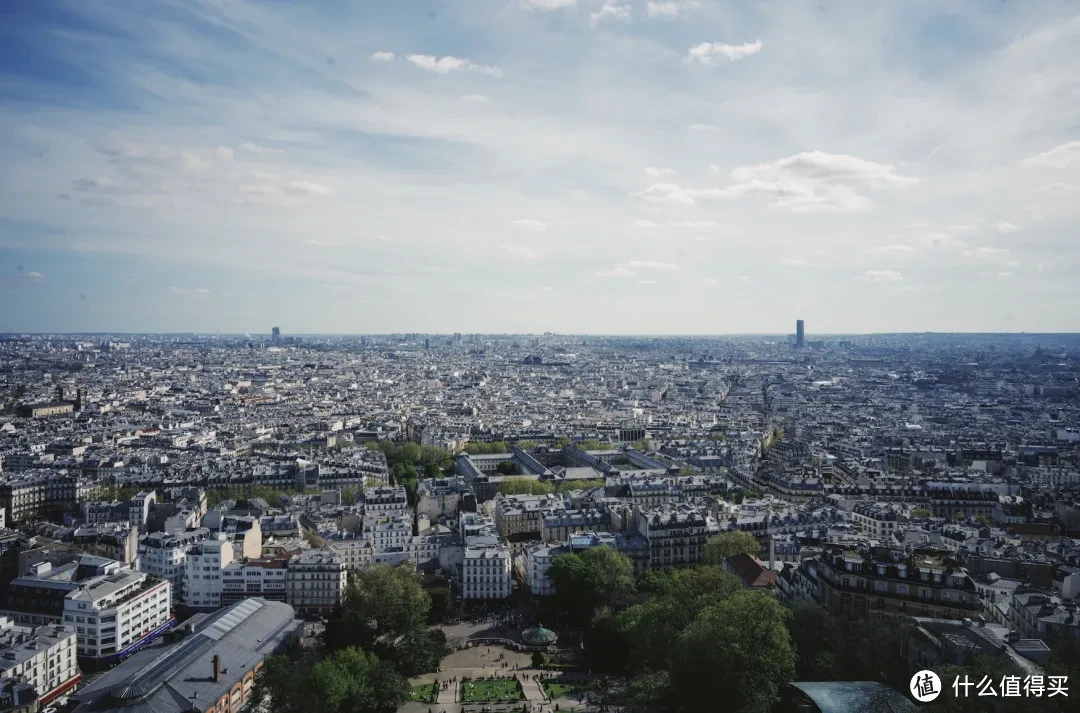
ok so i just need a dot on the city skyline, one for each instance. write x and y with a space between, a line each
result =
575 166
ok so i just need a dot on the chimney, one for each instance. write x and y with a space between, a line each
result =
217 668
60 393
772 553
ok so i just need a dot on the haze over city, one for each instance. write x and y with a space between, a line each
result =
580 166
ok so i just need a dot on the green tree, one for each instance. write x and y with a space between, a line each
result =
506 468
653 627
569 485
592 445
729 544
920 513
525 486
539 658
596 576
380 601
526 445
418 651
740 646
643 446
354 681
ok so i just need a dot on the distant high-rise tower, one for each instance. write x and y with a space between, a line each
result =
275 335
427 343
800 334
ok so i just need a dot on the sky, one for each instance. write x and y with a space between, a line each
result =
576 166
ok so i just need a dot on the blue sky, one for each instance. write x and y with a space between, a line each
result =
615 166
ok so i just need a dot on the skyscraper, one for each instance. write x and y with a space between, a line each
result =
275 335
800 334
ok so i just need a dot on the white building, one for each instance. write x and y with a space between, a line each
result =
537 560
202 575
116 613
354 553
139 508
44 656
385 501
485 570
262 577
315 581
388 531
165 555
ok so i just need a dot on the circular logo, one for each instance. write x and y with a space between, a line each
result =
925 686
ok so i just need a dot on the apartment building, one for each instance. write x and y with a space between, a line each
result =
43 656
877 520
261 577
32 497
888 581
116 614
388 530
315 581
165 555
538 559
522 514
485 572
558 526
676 536
202 572
354 552
384 501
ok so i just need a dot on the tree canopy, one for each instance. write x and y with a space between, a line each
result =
594 577
525 486
729 544
379 601
740 646
346 681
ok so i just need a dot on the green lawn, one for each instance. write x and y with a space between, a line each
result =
500 690
424 693
558 689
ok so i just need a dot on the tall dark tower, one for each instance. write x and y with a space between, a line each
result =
800 334
275 335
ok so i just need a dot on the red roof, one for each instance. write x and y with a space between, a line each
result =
752 571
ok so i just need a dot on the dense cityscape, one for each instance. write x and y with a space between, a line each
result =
484 522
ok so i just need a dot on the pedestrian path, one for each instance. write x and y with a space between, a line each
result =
534 692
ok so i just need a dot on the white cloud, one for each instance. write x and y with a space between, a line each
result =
893 250
188 292
306 188
666 193
694 224
1058 187
881 276
832 168
651 265
249 147
616 272
529 225
1058 157
988 254
547 288
816 181
476 98
795 262
670 8
445 65
704 127
610 11
711 281
383 57
643 223
707 52
648 282
545 5
654 172
518 251
1003 226
31 276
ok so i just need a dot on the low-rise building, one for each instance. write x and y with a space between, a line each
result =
315 581
43 656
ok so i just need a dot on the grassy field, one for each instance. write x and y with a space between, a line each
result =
424 693
558 689
500 690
